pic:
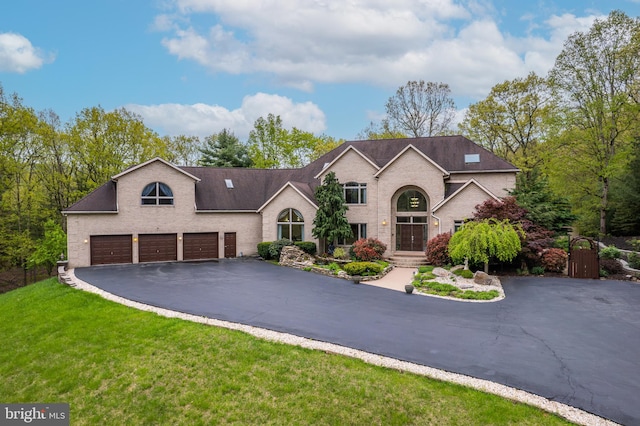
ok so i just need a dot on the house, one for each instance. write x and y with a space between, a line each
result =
401 191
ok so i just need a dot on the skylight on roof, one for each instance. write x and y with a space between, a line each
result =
229 183
472 158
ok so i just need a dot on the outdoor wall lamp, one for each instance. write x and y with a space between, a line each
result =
86 241
384 222
135 239
436 223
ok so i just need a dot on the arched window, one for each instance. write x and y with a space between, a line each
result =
291 225
412 201
156 194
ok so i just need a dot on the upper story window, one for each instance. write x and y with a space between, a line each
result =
157 194
355 193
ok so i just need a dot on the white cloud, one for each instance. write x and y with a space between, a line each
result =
378 42
17 54
203 120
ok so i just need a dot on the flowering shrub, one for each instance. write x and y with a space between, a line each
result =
554 260
368 249
438 250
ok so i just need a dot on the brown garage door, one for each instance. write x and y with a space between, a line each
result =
109 249
157 247
203 245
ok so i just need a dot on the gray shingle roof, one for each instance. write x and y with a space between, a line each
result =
253 187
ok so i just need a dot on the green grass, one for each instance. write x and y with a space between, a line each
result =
115 365
442 289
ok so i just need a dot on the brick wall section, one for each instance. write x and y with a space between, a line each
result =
134 218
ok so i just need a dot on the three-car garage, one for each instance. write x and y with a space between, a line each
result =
114 249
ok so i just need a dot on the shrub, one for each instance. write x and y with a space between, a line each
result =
339 253
634 260
308 247
537 270
438 250
464 273
611 266
334 267
554 260
362 268
263 250
423 269
561 242
368 249
276 247
610 252
635 243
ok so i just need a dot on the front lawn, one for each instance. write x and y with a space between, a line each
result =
115 365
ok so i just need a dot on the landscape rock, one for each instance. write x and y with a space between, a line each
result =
482 278
295 257
440 272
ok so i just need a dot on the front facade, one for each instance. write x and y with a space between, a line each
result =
401 191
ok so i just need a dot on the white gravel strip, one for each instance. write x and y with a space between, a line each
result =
570 413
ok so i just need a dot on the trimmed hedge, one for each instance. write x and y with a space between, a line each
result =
362 268
308 247
263 250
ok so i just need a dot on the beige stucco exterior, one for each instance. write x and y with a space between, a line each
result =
409 170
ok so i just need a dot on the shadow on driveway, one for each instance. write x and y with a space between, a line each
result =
569 340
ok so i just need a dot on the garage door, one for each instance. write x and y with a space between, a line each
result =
202 245
109 249
157 247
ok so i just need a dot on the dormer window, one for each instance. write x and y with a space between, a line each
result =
157 194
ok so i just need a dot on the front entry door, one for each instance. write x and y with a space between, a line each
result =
229 244
411 237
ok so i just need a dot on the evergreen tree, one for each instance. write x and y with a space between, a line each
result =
331 222
544 207
224 149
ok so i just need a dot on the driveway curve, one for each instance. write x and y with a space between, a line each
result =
569 340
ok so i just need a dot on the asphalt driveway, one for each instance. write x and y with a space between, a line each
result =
572 341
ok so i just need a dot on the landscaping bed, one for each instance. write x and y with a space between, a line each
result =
456 283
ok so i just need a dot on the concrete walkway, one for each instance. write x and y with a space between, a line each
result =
394 280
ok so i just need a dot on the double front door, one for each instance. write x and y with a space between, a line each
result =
411 236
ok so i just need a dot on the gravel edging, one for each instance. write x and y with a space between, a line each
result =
568 412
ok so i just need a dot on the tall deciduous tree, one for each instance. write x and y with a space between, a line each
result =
512 121
597 74
331 222
104 143
271 146
224 149
421 109
183 150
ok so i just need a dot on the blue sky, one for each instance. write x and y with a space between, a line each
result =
327 66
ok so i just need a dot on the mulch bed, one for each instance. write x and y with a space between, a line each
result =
619 242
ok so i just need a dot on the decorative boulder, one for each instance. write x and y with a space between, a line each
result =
440 272
482 278
294 256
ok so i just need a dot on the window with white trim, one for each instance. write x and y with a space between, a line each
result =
457 224
355 193
359 230
157 194
291 225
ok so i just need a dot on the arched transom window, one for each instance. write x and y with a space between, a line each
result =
291 225
412 201
157 194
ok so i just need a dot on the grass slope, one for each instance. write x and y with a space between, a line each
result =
116 365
